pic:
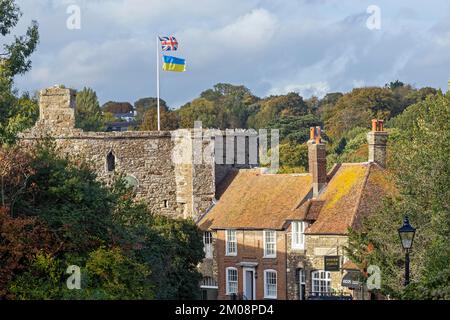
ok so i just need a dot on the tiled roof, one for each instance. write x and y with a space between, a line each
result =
258 201
354 191
250 200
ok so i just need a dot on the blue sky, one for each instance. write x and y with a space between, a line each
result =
271 47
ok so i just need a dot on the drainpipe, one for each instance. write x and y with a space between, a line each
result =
286 262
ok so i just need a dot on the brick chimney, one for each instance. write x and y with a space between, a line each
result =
377 139
317 160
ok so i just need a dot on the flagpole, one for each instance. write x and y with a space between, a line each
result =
157 82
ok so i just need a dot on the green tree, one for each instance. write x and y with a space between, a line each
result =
55 213
88 115
293 158
169 120
357 108
275 107
15 113
15 56
145 104
420 167
294 129
202 110
224 106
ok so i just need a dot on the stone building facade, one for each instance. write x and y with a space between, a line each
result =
160 165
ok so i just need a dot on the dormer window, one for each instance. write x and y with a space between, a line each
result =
298 234
110 162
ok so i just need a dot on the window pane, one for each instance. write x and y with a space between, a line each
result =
269 245
232 280
321 282
231 245
271 283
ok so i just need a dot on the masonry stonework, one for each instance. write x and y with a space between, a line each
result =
319 246
168 180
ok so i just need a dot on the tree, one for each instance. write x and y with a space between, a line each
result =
88 115
117 107
294 129
224 106
394 84
15 113
55 213
420 167
357 108
15 56
293 158
202 110
169 120
145 104
274 107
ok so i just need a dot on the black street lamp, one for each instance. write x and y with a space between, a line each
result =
406 233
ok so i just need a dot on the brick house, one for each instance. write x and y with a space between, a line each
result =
268 235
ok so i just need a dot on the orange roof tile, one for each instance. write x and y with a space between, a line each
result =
353 192
258 201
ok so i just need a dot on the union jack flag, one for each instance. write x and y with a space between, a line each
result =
169 43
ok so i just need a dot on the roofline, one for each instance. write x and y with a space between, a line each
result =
326 234
247 228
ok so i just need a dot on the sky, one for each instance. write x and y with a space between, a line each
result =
271 47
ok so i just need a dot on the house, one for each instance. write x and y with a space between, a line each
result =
126 116
282 236
121 126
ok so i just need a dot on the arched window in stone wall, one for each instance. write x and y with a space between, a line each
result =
110 162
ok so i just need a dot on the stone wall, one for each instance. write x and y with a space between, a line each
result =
319 246
161 163
296 259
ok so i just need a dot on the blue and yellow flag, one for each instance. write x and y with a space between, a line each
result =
174 64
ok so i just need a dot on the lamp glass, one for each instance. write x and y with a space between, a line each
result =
407 239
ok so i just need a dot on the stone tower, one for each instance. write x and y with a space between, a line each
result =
57 109
377 139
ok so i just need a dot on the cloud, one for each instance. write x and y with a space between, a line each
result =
272 47
318 89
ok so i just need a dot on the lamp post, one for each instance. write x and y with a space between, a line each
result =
406 233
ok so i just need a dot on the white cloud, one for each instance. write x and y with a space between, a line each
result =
81 62
318 89
272 47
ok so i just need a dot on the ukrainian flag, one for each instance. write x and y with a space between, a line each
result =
174 64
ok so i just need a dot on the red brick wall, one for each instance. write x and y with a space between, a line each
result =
250 249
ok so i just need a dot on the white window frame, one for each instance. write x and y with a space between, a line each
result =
267 295
228 242
266 244
301 282
298 234
207 244
320 279
209 283
227 284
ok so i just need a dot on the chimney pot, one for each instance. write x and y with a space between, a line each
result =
374 124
